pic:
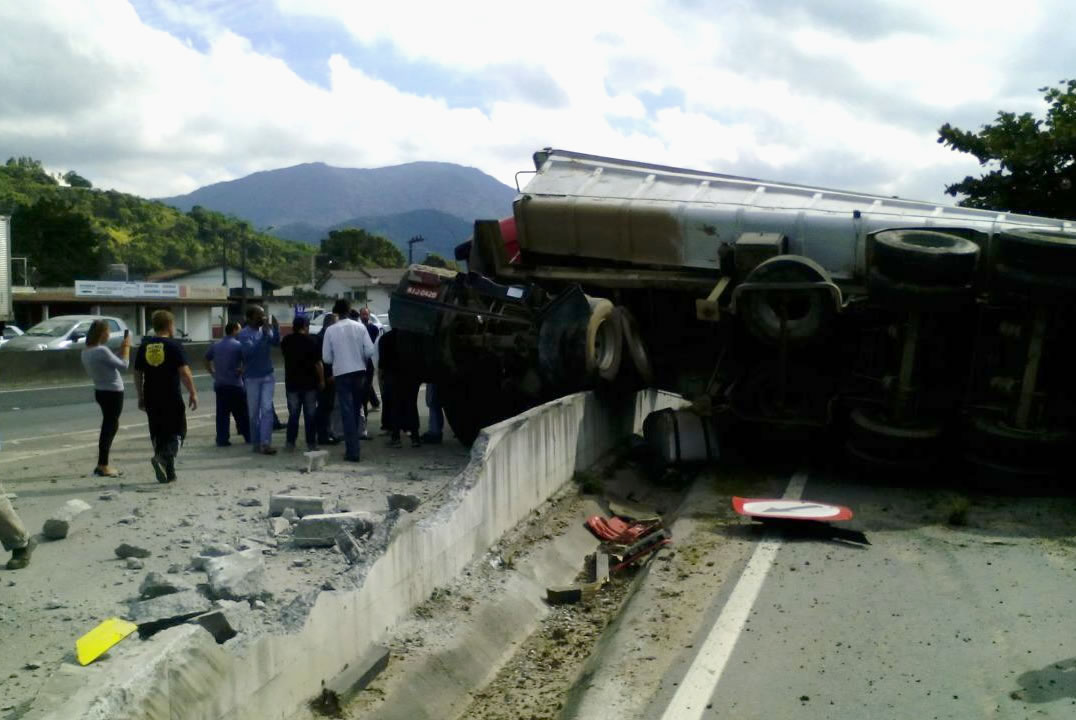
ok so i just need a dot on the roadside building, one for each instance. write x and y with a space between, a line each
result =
370 287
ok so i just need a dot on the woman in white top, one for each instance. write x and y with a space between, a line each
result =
104 369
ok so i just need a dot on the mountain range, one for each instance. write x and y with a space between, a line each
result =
439 201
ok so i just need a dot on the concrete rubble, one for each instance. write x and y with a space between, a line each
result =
238 576
155 585
301 504
321 530
126 550
187 603
59 525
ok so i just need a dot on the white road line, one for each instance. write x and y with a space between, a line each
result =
698 686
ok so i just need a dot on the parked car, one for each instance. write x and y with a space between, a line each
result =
10 331
63 332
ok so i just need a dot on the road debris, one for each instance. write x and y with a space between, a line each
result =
101 639
155 585
301 504
58 526
126 550
237 576
321 530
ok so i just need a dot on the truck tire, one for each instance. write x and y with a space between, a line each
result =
1040 252
896 295
633 341
877 444
809 312
925 257
604 340
993 445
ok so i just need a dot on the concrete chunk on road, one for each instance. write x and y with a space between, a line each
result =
316 459
303 504
59 525
155 585
184 604
237 576
321 530
126 551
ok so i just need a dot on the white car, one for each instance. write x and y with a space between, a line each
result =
64 332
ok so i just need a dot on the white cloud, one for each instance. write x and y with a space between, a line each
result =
769 88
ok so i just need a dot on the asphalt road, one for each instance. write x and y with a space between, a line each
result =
62 418
941 616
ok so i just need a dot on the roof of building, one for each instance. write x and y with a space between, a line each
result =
387 276
67 295
177 273
368 277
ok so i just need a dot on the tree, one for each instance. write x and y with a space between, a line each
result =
354 248
1032 161
435 260
75 180
59 241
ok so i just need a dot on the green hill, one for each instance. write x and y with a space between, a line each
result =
442 232
74 232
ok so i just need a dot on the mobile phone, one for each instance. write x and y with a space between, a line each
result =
126 333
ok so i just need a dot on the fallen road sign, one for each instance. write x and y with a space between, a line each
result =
779 509
101 639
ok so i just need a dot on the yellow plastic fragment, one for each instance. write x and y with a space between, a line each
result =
98 641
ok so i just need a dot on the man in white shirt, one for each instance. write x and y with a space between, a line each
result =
347 347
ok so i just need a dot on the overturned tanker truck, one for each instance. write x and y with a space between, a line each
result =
908 332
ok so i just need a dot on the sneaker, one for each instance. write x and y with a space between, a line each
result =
158 469
226 443
290 447
106 471
311 448
395 443
415 442
20 557
267 450
366 436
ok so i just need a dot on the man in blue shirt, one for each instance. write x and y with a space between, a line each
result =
224 361
256 340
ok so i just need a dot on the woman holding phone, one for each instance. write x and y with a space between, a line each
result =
104 368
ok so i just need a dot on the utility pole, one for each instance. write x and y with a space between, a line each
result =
243 271
411 248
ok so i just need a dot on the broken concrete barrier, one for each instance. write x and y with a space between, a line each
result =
303 504
216 623
185 605
349 547
155 585
58 526
237 576
321 530
278 526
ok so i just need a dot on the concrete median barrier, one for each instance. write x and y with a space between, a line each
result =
515 466
49 368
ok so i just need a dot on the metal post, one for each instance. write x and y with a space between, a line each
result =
411 248
1031 368
907 365
243 270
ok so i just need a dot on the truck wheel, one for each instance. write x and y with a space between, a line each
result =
1040 252
876 443
604 339
633 341
896 295
925 257
1003 451
809 312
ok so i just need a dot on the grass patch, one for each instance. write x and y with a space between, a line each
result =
955 509
589 483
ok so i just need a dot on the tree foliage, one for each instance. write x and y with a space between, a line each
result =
435 260
75 180
148 236
355 248
1031 161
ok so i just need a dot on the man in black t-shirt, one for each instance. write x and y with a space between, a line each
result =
304 376
160 366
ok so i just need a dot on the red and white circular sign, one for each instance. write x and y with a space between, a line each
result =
790 509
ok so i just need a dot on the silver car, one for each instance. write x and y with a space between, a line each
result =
10 331
64 332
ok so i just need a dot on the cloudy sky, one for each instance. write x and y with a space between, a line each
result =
158 97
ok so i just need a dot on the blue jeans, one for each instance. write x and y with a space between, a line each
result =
350 391
437 416
305 401
260 406
231 403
